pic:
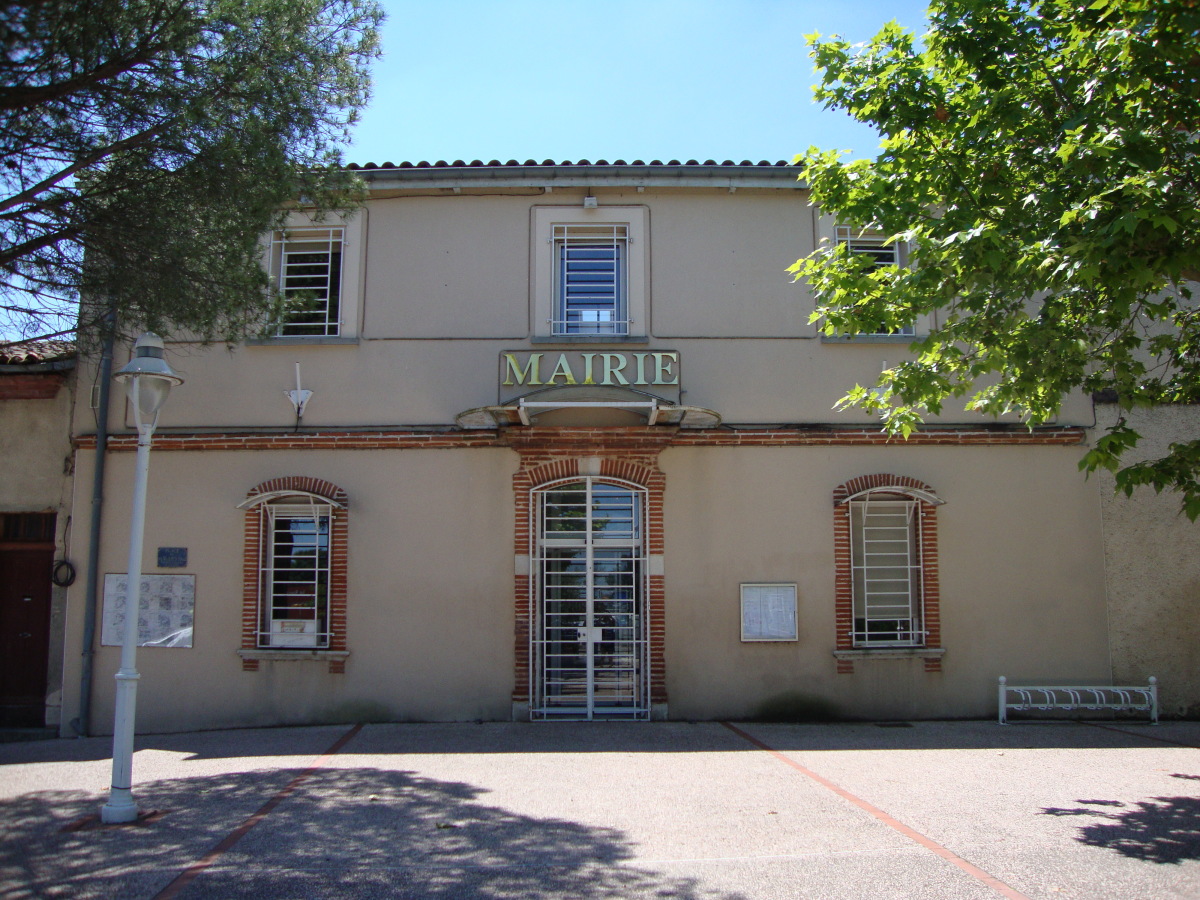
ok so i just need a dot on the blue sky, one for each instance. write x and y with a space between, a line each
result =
615 79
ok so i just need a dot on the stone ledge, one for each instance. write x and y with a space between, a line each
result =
892 653
300 653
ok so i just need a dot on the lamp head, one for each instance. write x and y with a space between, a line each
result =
148 375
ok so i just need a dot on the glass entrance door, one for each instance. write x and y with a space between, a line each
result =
590 640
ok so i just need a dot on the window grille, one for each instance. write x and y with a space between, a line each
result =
295 569
870 243
309 275
874 245
886 566
590 279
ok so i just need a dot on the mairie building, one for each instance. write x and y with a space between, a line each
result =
558 441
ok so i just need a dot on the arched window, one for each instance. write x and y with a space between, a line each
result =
885 531
294 584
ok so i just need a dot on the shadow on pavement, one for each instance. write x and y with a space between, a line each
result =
1160 830
625 737
360 832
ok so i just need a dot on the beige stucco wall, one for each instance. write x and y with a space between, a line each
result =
431 561
720 265
447 289
460 267
447 286
430 591
1013 602
35 446
1152 555
453 267
427 383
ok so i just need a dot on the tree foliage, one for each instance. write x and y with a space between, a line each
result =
147 145
1040 157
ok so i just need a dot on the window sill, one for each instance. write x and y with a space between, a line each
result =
891 653
589 339
291 655
293 339
870 339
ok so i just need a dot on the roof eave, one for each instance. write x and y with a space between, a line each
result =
433 177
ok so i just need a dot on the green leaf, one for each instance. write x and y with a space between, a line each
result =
160 140
1030 150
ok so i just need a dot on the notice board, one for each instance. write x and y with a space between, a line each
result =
769 612
166 610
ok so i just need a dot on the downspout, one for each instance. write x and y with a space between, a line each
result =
82 724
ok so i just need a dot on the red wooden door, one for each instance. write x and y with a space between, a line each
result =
24 634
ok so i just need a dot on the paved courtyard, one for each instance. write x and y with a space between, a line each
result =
690 811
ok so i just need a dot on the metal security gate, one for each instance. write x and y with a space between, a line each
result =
590 637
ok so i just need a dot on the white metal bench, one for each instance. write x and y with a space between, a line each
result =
1134 699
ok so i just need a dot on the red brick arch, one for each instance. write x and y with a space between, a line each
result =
903 486
300 484
619 454
252 549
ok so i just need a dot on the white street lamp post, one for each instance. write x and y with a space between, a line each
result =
149 380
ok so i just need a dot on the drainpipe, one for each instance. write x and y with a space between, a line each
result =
82 724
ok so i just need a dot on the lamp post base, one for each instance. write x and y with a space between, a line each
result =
119 810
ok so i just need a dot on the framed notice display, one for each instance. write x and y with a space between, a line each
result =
166 609
769 612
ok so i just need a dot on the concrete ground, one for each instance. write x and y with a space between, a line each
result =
941 810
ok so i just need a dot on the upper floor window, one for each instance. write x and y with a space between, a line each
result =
590 279
307 265
874 245
590 269
870 243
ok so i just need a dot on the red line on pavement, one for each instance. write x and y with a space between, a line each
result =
189 874
928 843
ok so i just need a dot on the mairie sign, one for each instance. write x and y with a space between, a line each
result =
534 369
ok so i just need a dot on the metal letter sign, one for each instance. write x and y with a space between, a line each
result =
652 371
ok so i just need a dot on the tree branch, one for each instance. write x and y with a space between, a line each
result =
10 254
136 140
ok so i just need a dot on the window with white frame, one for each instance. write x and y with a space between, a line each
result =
874 245
307 267
294 575
590 279
886 571
590 273
871 243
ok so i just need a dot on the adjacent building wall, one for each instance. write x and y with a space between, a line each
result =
36 406
1152 565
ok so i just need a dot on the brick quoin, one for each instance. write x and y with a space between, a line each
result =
255 545
843 577
548 455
